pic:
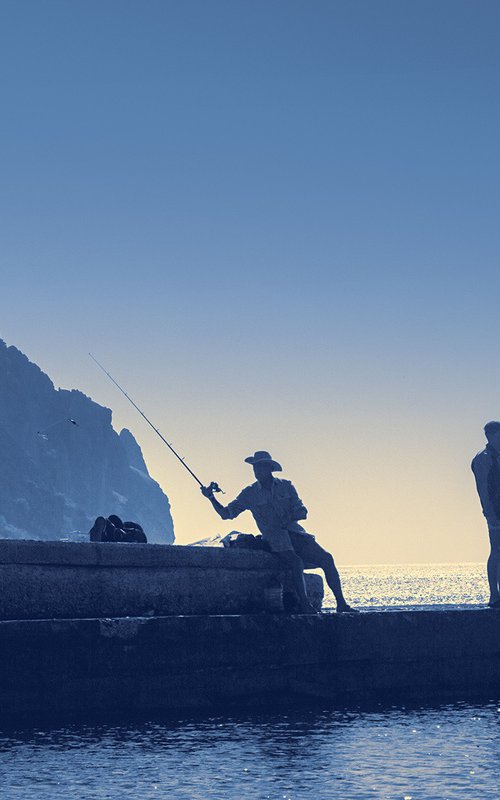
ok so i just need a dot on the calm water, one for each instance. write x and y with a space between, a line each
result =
413 585
448 752
424 754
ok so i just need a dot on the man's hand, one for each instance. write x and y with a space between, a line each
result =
208 492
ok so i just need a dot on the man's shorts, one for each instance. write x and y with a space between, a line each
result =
278 540
304 545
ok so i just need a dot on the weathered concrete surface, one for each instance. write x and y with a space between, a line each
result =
40 580
75 666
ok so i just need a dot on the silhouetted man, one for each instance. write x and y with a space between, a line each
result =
486 469
276 509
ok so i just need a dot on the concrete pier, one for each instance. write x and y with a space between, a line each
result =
111 628
210 662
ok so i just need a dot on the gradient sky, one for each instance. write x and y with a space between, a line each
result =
277 225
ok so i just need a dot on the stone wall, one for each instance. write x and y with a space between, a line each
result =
41 580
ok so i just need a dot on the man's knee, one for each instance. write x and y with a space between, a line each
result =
494 539
326 560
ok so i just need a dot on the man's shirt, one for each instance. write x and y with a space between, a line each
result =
273 509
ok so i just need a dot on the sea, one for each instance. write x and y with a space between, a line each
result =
392 587
392 752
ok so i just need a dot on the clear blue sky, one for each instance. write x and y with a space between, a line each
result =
277 223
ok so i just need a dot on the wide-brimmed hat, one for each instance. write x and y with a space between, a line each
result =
263 457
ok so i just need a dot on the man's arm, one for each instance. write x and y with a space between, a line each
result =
481 466
230 511
298 509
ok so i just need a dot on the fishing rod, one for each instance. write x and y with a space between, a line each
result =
213 486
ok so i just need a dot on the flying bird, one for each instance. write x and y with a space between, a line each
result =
44 434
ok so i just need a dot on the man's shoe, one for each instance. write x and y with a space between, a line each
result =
346 609
305 608
494 603
96 532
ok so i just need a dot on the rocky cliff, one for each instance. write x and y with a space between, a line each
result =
62 463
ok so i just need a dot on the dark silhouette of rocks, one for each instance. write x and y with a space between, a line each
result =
62 463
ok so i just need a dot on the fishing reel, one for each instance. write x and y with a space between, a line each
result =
214 487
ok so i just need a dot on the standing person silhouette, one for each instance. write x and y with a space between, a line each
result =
486 468
276 509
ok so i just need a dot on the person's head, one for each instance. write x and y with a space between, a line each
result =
492 433
263 465
262 471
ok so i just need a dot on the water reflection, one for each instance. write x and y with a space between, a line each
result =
414 585
422 753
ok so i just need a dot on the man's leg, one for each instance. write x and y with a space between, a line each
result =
332 577
493 566
314 555
296 566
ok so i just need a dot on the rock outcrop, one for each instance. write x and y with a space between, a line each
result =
62 463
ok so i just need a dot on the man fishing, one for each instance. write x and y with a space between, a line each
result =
276 509
486 469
